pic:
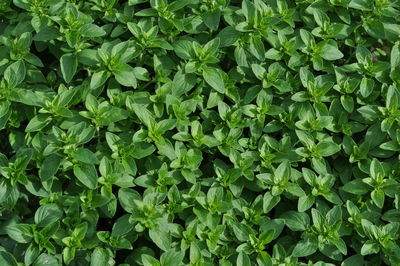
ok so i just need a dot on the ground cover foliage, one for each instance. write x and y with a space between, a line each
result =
209 132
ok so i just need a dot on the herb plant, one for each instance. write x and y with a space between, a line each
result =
199 132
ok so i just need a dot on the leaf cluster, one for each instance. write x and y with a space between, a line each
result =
199 132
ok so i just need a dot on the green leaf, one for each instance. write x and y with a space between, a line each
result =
69 66
270 201
171 258
142 113
264 258
98 79
183 83
305 248
341 245
49 167
183 48
100 257
7 259
38 122
395 56
19 232
376 170
357 187
257 48
375 28
48 214
363 55
329 51
378 197
125 75
353 260
161 238
213 77
296 221
282 173
31 253
68 254
370 247
91 31
363 5
317 218
228 36
211 19
241 231
46 260
127 197
85 156
366 87
306 77
46 34
243 259
327 148
334 215
86 174
347 103
15 73
149 260
306 37
305 203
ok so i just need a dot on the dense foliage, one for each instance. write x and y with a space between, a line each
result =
199 132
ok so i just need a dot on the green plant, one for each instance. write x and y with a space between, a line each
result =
199 132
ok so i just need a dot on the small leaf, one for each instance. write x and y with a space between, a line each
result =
91 31
161 238
127 197
87 174
46 260
100 257
257 48
214 79
38 122
353 260
243 259
19 232
69 65
98 79
172 258
357 187
366 86
305 248
48 214
85 155
125 75
376 170
15 73
296 221
282 173
47 34
327 148
330 52
378 197
305 203
49 167
370 247
211 19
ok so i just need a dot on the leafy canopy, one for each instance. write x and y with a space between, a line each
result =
199 132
